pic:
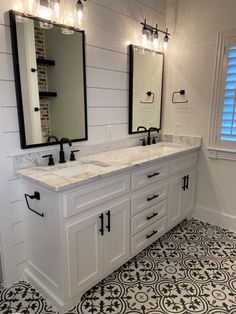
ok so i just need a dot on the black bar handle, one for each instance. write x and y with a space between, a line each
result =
153 175
187 181
108 220
148 236
36 196
152 198
152 216
102 224
184 183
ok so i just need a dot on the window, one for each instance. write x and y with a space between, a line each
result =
223 119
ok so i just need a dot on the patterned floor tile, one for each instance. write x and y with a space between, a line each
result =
191 269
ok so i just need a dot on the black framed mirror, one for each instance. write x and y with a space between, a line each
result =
50 79
146 88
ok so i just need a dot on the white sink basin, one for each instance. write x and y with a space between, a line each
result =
80 170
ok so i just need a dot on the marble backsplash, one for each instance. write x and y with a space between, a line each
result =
35 159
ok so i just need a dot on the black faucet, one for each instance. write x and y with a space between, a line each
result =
61 152
52 137
149 141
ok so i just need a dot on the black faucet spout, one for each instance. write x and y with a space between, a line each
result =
62 153
149 141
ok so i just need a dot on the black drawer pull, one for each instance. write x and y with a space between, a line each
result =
153 175
109 221
153 215
102 224
184 183
35 196
187 178
152 198
148 236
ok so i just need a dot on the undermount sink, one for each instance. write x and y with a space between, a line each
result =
80 170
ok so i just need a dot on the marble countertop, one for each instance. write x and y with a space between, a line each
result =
94 167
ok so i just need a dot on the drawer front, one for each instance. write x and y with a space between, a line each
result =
182 163
148 198
148 236
149 175
94 194
148 217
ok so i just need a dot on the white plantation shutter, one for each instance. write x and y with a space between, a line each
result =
228 119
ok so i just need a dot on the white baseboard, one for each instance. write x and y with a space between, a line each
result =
216 218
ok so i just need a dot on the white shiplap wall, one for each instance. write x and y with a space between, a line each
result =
110 26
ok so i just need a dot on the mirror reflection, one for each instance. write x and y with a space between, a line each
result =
51 86
146 79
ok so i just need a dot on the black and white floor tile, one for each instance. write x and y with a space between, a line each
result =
191 269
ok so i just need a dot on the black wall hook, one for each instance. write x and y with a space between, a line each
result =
181 92
36 196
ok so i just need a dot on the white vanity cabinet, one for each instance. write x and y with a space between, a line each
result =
181 188
91 229
97 244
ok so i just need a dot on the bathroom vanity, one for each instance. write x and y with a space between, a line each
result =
100 211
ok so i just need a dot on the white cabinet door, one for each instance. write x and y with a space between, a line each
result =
85 253
117 235
181 200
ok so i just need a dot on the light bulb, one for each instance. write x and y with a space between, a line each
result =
56 8
45 9
155 41
144 40
18 6
45 12
30 6
165 42
145 36
79 11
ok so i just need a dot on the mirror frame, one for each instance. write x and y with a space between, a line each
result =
131 81
18 89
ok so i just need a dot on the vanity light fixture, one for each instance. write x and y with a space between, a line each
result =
51 11
150 36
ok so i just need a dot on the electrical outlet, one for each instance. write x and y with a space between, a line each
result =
177 128
108 132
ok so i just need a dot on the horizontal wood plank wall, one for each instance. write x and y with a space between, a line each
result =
110 26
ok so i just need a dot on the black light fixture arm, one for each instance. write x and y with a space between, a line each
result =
154 29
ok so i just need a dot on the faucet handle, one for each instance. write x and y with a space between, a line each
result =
155 139
50 159
72 155
143 141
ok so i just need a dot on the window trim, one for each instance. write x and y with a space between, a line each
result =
217 148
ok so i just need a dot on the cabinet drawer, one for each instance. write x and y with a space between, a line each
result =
148 235
148 217
179 164
149 175
94 194
148 198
